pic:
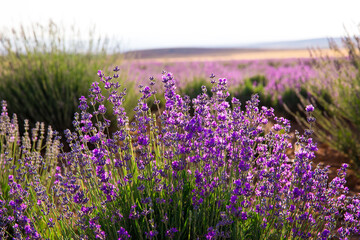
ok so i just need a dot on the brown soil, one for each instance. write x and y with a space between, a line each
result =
326 155
329 156
235 55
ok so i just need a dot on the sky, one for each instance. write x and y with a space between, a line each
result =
146 24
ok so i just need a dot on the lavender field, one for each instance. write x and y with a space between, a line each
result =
280 73
178 150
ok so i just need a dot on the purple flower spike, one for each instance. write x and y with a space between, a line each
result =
309 108
123 234
11 178
100 74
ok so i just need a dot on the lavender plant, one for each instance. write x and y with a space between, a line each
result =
251 86
45 68
219 173
336 93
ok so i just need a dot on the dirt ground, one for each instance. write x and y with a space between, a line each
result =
239 55
328 156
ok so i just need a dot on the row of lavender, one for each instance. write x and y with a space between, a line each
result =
218 173
280 73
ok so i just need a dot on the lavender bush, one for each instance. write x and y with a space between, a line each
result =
44 68
219 173
336 94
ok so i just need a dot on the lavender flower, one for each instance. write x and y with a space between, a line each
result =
220 172
309 108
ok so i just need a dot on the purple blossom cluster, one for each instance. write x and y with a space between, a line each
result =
221 172
13 212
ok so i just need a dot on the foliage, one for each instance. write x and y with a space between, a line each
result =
337 95
252 85
291 99
194 88
219 173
